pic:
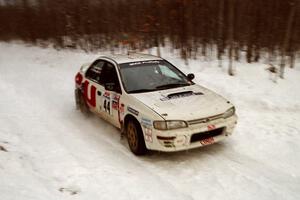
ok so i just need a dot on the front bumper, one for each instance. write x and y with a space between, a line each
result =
194 136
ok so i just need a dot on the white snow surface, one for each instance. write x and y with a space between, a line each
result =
54 152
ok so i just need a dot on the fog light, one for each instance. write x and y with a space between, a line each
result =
165 138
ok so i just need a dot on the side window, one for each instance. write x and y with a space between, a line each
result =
93 73
109 75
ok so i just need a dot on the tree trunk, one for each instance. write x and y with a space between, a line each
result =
292 60
249 52
293 6
158 51
157 45
257 53
293 46
230 36
220 32
237 53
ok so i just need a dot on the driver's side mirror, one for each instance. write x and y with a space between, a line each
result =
190 76
110 86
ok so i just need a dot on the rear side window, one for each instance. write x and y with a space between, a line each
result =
93 73
109 75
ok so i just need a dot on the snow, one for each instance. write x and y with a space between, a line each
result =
54 152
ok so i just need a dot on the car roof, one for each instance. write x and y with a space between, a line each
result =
131 57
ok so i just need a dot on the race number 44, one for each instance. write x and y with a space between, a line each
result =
106 106
106 102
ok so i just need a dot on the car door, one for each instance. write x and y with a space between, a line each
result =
111 98
92 88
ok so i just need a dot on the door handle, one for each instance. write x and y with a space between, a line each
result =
99 93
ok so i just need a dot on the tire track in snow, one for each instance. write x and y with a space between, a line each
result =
260 174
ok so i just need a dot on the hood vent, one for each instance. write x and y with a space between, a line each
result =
180 95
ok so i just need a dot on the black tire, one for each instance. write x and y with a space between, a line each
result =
81 104
135 138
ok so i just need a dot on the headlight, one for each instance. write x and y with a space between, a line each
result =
229 112
167 125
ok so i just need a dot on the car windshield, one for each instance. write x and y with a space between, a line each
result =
147 76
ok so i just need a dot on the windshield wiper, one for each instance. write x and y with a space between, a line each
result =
141 90
172 85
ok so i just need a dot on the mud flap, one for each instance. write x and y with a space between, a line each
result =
77 99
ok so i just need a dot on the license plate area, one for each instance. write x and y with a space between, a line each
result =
207 141
207 136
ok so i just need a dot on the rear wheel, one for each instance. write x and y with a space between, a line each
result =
135 138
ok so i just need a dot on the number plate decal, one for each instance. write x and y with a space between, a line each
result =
207 141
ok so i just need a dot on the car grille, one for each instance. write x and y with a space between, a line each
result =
205 120
204 135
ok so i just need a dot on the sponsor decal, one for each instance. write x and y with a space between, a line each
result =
122 108
92 99
133 111
115 105
211 127
121 112
115 102
145 62
148 134
147 125
146 122
106 95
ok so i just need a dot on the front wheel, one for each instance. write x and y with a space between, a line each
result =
135 138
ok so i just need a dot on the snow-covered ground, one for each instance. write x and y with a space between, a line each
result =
51 151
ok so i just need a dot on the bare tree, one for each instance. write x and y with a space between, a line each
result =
295 35
191 26
230 35
293 6
220 32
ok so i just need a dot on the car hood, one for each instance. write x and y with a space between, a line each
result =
185 103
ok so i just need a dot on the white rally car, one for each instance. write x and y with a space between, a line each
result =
153 103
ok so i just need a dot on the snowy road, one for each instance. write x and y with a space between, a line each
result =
51 151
